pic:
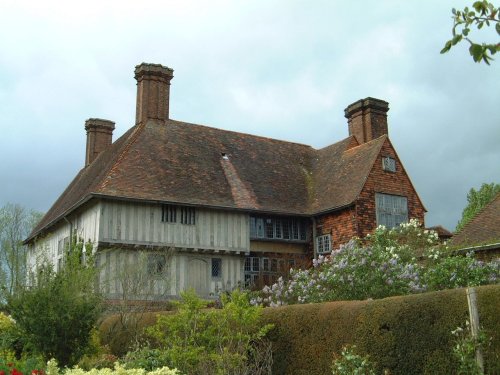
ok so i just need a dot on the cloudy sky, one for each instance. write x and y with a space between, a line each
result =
282 69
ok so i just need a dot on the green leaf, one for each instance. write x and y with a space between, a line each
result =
446 47
497 27
466 31
480 25
476 52
456 39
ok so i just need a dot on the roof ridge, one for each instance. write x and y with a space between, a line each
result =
133 137
242 133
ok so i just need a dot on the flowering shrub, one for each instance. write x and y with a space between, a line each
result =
447 272
33 366
53 369
351 363
381 265
465 349
7 336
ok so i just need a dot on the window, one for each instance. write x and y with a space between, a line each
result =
392 210
389 164
216 268
169 213
157 264
277 228
260 271
324 244
188 215
62 248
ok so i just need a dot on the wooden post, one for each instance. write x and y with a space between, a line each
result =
474 323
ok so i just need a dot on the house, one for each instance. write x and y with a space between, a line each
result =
214 209
481 235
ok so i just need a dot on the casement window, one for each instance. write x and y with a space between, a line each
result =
168 213
277 228
324 244
266 270
388 164
392 210
157 264
216 268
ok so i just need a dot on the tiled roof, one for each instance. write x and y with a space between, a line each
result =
184 163
483 229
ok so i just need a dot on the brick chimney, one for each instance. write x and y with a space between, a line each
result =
99 137
153 92
367 119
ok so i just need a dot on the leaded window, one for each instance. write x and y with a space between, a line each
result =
392 210
157 264
216 268
278 228
324 244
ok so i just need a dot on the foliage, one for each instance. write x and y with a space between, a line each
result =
476 200
134 281
16 222
31 365
52 369
465 349
482 13
351 363
404 335
199 341
8 337
443 271
57 312
383 264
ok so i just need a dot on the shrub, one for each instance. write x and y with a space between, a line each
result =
53 369
381 265
351 363
199 341
56 315
405 335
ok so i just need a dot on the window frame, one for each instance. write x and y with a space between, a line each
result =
391 210
324 244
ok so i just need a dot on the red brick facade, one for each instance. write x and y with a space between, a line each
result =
360 219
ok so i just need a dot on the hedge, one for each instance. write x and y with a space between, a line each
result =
405 335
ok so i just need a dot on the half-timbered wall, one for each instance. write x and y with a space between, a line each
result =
85 225
130 275
136 223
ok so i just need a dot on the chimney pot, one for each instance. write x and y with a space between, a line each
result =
99 137
367 119
153 92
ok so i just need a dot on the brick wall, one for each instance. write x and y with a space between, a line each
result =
360 219
380 181
341 225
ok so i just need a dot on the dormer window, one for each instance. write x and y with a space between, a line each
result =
224 156
389 164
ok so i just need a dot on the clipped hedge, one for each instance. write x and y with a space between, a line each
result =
406 335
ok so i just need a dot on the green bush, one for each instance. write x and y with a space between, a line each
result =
349 362
53 369
56 315
200 341
404 335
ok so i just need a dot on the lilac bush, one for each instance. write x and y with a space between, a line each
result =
381 265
